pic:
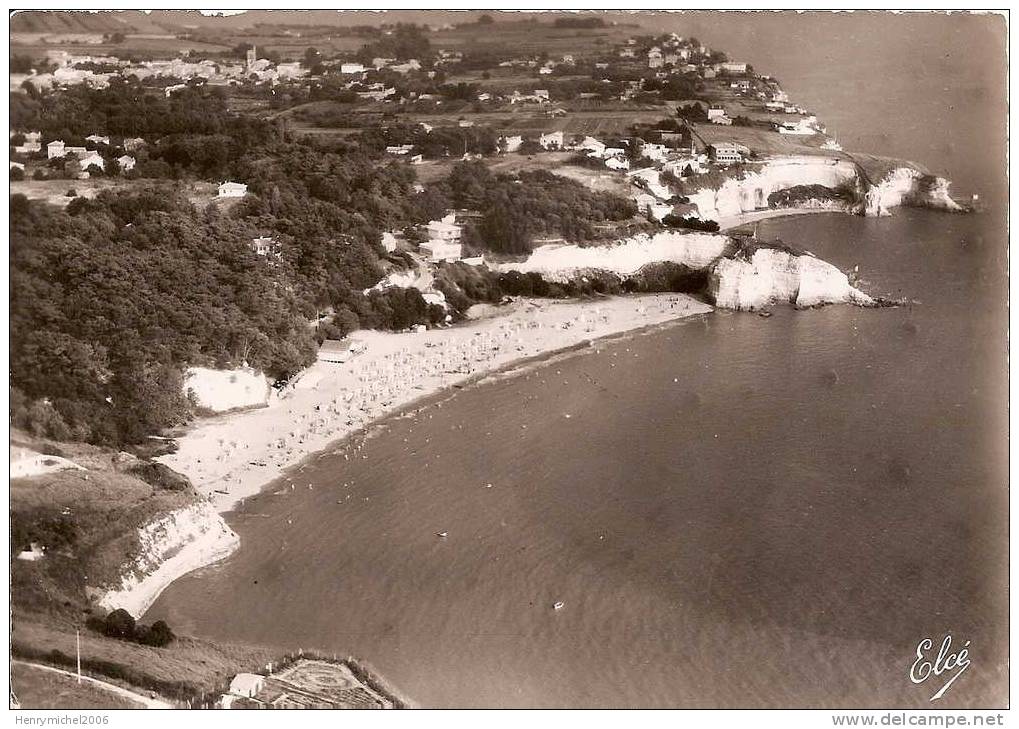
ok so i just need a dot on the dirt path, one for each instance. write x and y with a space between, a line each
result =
145 701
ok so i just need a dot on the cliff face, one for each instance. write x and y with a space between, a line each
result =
902 186
735 280
171 546
905 186
771 276
222 390
625 258
738 196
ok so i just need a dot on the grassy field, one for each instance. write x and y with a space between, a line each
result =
39 689
146 48
54 192
187 662
526 39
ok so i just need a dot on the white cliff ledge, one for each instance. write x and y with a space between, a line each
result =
741 275
749 192
170 547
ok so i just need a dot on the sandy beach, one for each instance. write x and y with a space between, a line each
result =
233 456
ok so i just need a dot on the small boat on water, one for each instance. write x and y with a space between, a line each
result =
559 605
764 314
442 535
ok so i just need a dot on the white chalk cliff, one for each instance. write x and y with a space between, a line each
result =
222 390
624 258
902 186
906 186
769 276
734 281
170 546
738 196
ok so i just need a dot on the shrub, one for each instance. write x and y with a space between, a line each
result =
158 634
120 624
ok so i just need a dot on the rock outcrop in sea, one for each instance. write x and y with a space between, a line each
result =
768 276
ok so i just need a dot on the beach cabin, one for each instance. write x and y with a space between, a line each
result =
340 351
233 189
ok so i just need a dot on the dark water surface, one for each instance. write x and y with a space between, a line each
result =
738 511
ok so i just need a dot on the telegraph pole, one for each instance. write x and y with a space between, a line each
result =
77 645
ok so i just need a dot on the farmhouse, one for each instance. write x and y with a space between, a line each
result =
92 158
551 140
233 189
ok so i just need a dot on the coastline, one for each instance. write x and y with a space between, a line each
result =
234 456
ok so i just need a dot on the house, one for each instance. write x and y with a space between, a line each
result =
445 229
399 149
617 163
233 189
655 58
686 164
715 112
652 206
133 144
552 140
350 68
17 166
247 684
126 162
594 147
388 242
732 67
28 148
654 152
266 247
511 144
726 153
92 158
97 139
438 250
55 149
